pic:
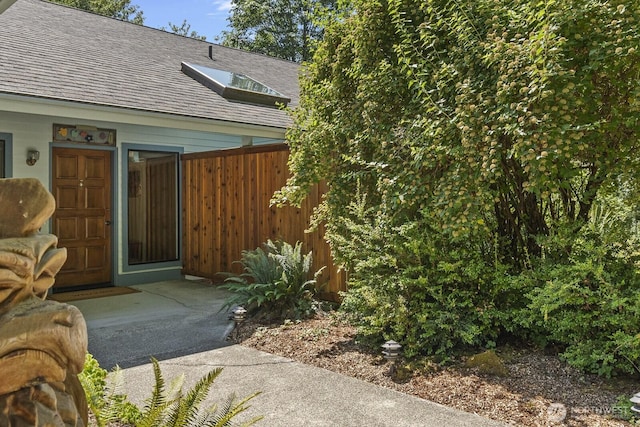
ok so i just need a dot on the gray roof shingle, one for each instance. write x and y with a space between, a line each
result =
57 52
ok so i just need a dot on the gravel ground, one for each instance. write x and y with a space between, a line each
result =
535 389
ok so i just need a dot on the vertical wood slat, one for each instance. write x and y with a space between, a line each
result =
161 239
226 209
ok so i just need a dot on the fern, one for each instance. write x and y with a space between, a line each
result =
185 409
275 279
164 407
223 416
174 408
104 394
158 397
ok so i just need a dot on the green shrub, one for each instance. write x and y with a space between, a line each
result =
437 295
409 284
622 410
476 128
104 394
164 408
275 280
588 304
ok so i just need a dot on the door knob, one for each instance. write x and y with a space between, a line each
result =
107 222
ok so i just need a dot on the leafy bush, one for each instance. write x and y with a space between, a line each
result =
622 410
588 304
484 134
164 408
409 284
106 401
437 295
275 280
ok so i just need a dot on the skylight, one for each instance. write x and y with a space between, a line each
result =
234 86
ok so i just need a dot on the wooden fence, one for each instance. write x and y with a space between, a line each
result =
226 197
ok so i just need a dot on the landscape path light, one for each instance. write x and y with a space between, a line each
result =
238 314
391 351
636 403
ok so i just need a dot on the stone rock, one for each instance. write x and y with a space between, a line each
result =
488 363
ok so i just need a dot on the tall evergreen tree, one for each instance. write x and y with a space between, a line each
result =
284 29
119 9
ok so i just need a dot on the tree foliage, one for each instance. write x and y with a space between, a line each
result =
184 30
119 9
482 135
284 29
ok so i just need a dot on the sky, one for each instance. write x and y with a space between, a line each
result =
206 17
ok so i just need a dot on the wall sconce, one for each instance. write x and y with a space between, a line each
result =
32 157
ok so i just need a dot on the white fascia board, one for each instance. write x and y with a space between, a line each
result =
56 108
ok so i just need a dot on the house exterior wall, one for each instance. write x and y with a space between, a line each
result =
35 132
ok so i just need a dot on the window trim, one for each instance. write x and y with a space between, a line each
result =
124 188
8 154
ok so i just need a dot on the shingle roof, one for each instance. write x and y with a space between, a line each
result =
57 52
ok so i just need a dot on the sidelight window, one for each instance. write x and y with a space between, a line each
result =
152 187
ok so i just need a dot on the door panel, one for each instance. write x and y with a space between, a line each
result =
82 189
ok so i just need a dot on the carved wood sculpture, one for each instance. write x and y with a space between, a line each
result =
42 343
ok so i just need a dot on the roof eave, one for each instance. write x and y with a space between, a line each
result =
27 104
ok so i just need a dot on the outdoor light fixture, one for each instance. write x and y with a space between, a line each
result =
32 157
238 315
391 351
636 403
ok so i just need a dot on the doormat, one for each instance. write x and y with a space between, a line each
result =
91 293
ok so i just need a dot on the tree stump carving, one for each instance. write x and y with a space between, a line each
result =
42 343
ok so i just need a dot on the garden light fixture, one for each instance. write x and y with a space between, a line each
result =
636 403
391 351
239 314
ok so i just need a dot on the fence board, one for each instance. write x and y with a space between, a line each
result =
226 210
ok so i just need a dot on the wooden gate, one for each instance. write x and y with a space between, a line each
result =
226 210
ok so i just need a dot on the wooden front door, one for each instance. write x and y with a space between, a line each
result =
82 221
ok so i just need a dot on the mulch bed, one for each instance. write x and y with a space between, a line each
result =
536 390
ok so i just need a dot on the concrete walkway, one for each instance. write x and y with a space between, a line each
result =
178 322
164 320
